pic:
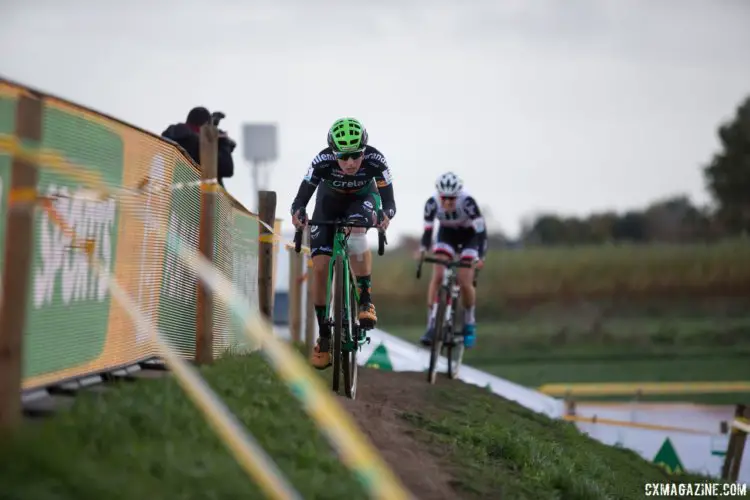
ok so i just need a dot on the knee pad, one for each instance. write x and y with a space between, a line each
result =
357 244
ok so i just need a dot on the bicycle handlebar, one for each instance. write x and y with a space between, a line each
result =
382 240
447 264
338 223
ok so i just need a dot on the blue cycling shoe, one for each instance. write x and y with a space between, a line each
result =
469 335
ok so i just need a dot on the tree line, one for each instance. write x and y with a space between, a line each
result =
673 219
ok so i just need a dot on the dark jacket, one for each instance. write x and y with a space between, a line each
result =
188 138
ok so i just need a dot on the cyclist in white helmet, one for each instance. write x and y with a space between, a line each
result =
462 232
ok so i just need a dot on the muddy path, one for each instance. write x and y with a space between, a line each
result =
381 397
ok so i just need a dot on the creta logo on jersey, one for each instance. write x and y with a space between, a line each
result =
350 184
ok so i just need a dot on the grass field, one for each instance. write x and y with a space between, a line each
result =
536 352
506 451
617 313
615 276
146 440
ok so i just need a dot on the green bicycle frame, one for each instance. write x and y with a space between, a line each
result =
340 249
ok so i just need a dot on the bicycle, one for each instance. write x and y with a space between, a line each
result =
445 317
348 335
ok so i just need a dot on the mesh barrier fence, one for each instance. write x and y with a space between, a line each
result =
8 98
73 327
245 271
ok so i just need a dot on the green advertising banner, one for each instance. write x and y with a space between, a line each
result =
73 327
65 290
7 126
178 299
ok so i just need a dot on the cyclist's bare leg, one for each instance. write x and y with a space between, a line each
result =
360 258
468 300
321 357
320 278
432 289
432 297
466 283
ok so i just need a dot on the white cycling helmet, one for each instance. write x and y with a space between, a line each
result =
449 184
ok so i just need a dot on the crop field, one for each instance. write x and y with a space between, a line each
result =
516 280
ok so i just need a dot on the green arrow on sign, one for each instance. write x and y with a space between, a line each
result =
379 359
667 458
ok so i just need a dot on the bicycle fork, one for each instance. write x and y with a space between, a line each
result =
453 292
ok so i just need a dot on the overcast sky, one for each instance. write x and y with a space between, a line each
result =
570 106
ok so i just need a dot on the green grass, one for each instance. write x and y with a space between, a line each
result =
534 353
147 440
591 269
650 278
501 450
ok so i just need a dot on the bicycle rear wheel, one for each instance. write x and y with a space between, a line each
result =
350 357
437 340
455 357
338 320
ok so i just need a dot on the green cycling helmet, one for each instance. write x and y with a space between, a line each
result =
347 135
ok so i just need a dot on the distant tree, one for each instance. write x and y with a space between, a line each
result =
728 174
548 229
630 227
602 226
673 219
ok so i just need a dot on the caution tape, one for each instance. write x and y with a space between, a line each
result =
643 388
637 425
353 447
741 424
246 451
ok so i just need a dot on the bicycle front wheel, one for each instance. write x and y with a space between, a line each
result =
437 340
338 320
349 360
455 349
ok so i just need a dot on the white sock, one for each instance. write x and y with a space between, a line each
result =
430 316
469 318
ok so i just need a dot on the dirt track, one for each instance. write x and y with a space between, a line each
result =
380 396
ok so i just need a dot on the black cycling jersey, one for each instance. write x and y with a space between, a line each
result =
463 227
324 167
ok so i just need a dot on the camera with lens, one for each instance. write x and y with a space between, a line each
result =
216 117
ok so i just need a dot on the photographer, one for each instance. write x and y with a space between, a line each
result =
187 135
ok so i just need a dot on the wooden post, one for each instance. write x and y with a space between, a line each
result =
310 321
296 260
266 213
19 252
570 407
209 157
730 471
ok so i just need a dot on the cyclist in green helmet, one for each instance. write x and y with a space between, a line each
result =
348 172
